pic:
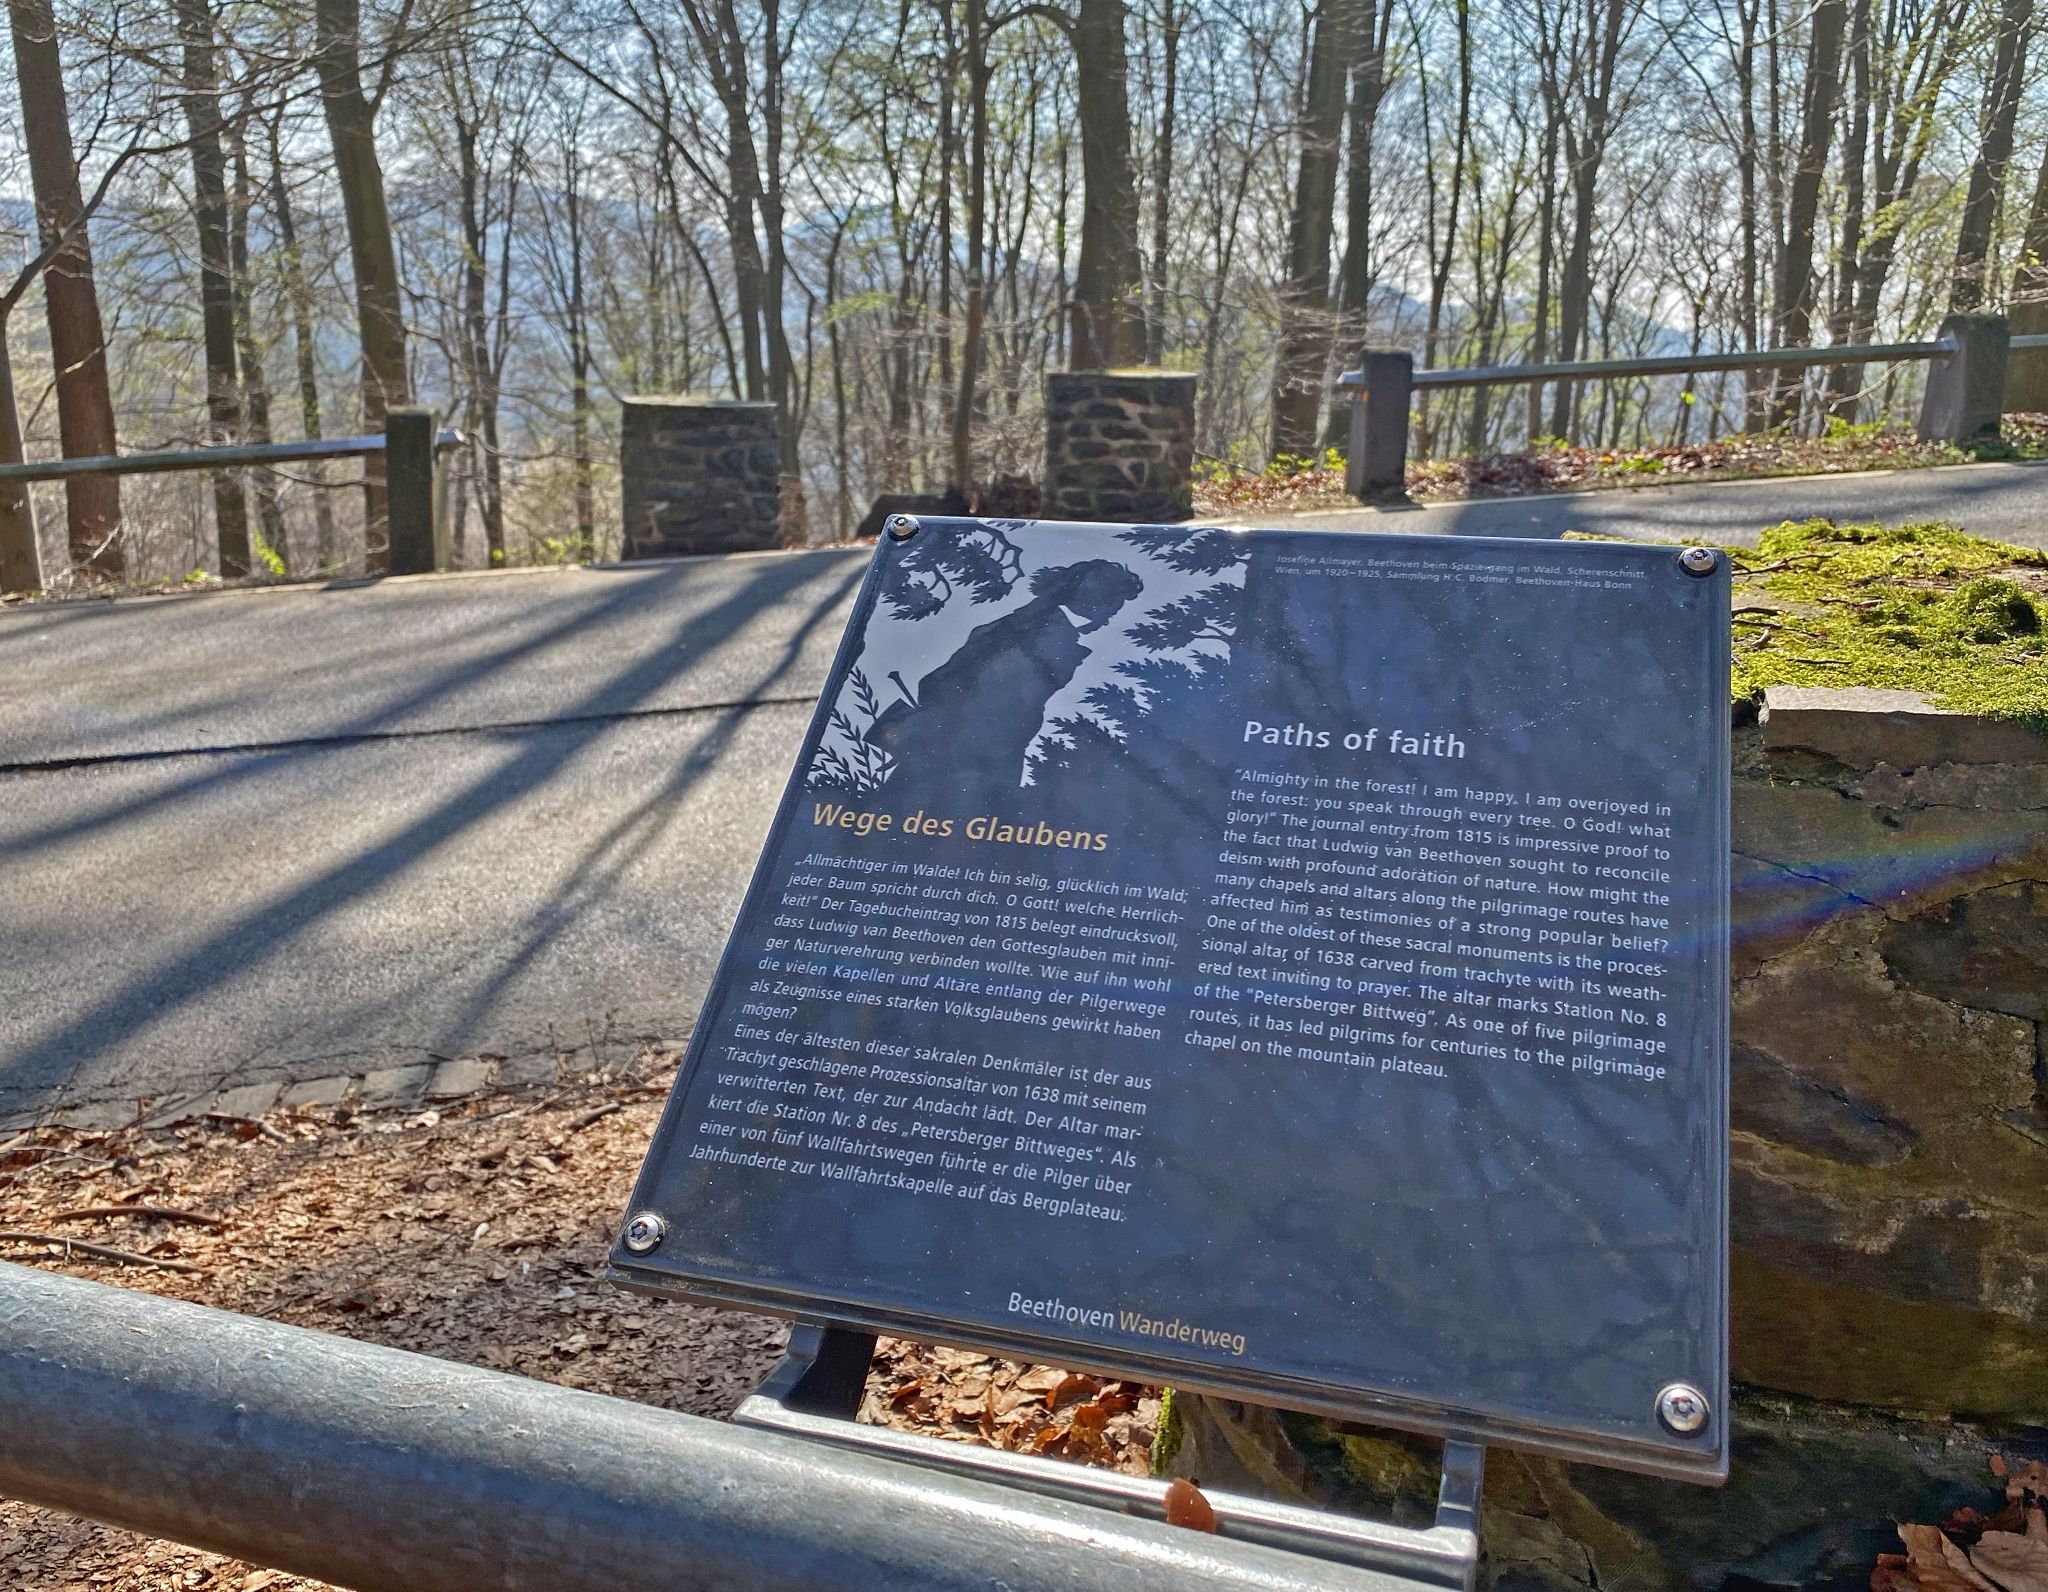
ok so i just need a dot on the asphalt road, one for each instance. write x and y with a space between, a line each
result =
284 835
271 836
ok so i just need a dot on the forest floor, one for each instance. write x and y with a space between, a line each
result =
1295 487
477 1233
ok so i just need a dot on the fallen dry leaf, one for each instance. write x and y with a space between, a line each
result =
1071 1388
1187 1506
367 1224
2016 1563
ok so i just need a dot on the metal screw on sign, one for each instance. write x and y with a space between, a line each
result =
1698 560
902 527
1683 1408
645 1232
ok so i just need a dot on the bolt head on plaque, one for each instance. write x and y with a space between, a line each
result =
1682 1407
645 1232
1698 560
902 527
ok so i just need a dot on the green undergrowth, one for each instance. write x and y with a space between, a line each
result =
1925 608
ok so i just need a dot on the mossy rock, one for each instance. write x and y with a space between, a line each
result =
1815 1495
1925 608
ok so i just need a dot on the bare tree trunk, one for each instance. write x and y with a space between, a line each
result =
1754 382
203 122
299 295
21 555
249 352
576 314
1817 123
842 459
1994 152
1585 152
1900 140
1305 330
78 344
781 366
1108 313
380 317
1546 267
1162 178
479 370
1440 268
1844 381
1355 269
977 243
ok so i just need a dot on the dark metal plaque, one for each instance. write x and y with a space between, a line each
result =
1287 964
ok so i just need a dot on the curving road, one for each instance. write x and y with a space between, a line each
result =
276 840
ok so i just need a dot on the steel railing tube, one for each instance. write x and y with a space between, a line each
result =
379 1469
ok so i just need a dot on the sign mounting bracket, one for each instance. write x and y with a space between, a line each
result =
815 1392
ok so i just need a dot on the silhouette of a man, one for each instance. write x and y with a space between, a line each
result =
977 713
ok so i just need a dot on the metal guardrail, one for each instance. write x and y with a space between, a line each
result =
1689 364
1961 404
387 1471
1665 365
256 453
412 444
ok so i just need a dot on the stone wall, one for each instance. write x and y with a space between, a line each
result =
1119 446
699 476
1889 1182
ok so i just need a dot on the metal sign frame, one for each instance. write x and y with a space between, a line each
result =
1693 1442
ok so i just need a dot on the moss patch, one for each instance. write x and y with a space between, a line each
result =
1924 608
1168 1435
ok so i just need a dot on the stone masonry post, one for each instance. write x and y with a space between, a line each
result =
698 475
1119 445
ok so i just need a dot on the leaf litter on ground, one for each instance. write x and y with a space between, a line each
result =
477 1232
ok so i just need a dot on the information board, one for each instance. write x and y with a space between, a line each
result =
1288 964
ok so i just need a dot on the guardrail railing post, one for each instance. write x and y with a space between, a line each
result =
1965 398
1376 467
411 463
21 563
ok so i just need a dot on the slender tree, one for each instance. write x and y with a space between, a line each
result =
248 345
1994 151
21 556
298 293
1107 312
976 49
1306 330
1795 294
380 318
1594 83
71 303
1368 75
204 124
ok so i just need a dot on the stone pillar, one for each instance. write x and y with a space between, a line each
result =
1376 468
699 475
2026 369
1119 445
1966 391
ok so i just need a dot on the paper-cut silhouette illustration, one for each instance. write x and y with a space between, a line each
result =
973 718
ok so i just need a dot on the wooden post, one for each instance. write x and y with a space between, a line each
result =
1376 469
411 463
1966 389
